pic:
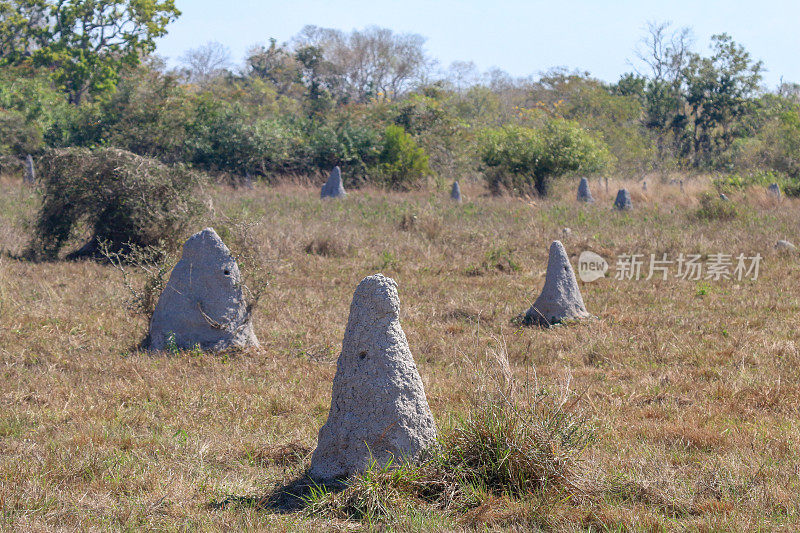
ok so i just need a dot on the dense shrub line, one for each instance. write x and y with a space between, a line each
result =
388 119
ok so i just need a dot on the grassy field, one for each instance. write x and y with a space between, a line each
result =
690 387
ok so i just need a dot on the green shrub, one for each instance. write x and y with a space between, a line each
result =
220 137
420 113
432 118
353 147
521 160
235 130
613 117
225 138
791 189
29 108
402 163
775 145
499 258
712 207
149 114
757 178
118 197
226 141
18 137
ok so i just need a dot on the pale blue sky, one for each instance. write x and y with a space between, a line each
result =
521 37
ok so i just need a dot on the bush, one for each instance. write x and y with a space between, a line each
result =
221 138
353 147
712 207
121 199
433 120
757 178
149 114
402 163
521 160
29 108
792 189
776 143
17 137
225 138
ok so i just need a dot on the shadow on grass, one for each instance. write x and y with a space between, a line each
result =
289 498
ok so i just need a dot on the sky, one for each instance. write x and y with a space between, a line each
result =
521 37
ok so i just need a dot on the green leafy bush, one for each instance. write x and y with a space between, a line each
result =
220 137
419 114
521 160
18 137
712 207
402 163
792 189
233 130
756 178
354 147
613 117
29 108
775 145
115 196
149 114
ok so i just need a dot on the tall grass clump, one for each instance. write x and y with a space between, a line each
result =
508 448
504 447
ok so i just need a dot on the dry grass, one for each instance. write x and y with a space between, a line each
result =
692 390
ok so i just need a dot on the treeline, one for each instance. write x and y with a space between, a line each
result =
373 102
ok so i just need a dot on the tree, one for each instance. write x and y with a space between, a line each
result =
790 91
462 75
369 63
316 74
773 140
83 42
604 111
518 159
206 62
695 104
275 64
30 108
720 91
665 53
18 137
19 22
